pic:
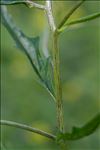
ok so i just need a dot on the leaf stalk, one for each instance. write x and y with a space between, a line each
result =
80 20
70 13
27 128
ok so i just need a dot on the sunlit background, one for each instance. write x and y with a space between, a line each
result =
24 100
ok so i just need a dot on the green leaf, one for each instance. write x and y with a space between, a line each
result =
31 48
29 3
78 133
11 2
47 72
21 40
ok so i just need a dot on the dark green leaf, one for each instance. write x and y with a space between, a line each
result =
21 40
31 48
11 2
48 74
78 133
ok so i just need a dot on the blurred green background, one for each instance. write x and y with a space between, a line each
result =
24 100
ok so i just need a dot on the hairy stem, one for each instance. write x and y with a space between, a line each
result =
27 128
70 13
58 90
48 9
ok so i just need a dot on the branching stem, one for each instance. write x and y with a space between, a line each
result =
70 13
80 20
27 128
48 9
31 3
84 19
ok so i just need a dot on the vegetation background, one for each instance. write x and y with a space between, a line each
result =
24 100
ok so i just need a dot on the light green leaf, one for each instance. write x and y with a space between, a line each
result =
78 133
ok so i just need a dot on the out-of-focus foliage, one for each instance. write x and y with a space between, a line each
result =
23 98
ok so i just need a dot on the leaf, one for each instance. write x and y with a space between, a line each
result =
21 40
47 72
28 45
11 2
28 3
78 133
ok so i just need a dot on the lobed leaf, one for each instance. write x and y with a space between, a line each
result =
78 133
31 48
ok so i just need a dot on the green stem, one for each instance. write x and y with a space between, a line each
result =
70 13
84 19
81 132
80 20
58 90
27 128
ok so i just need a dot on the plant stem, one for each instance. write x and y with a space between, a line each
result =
70 13
48 9
80 20
84 19
27 128
31 3
58 90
